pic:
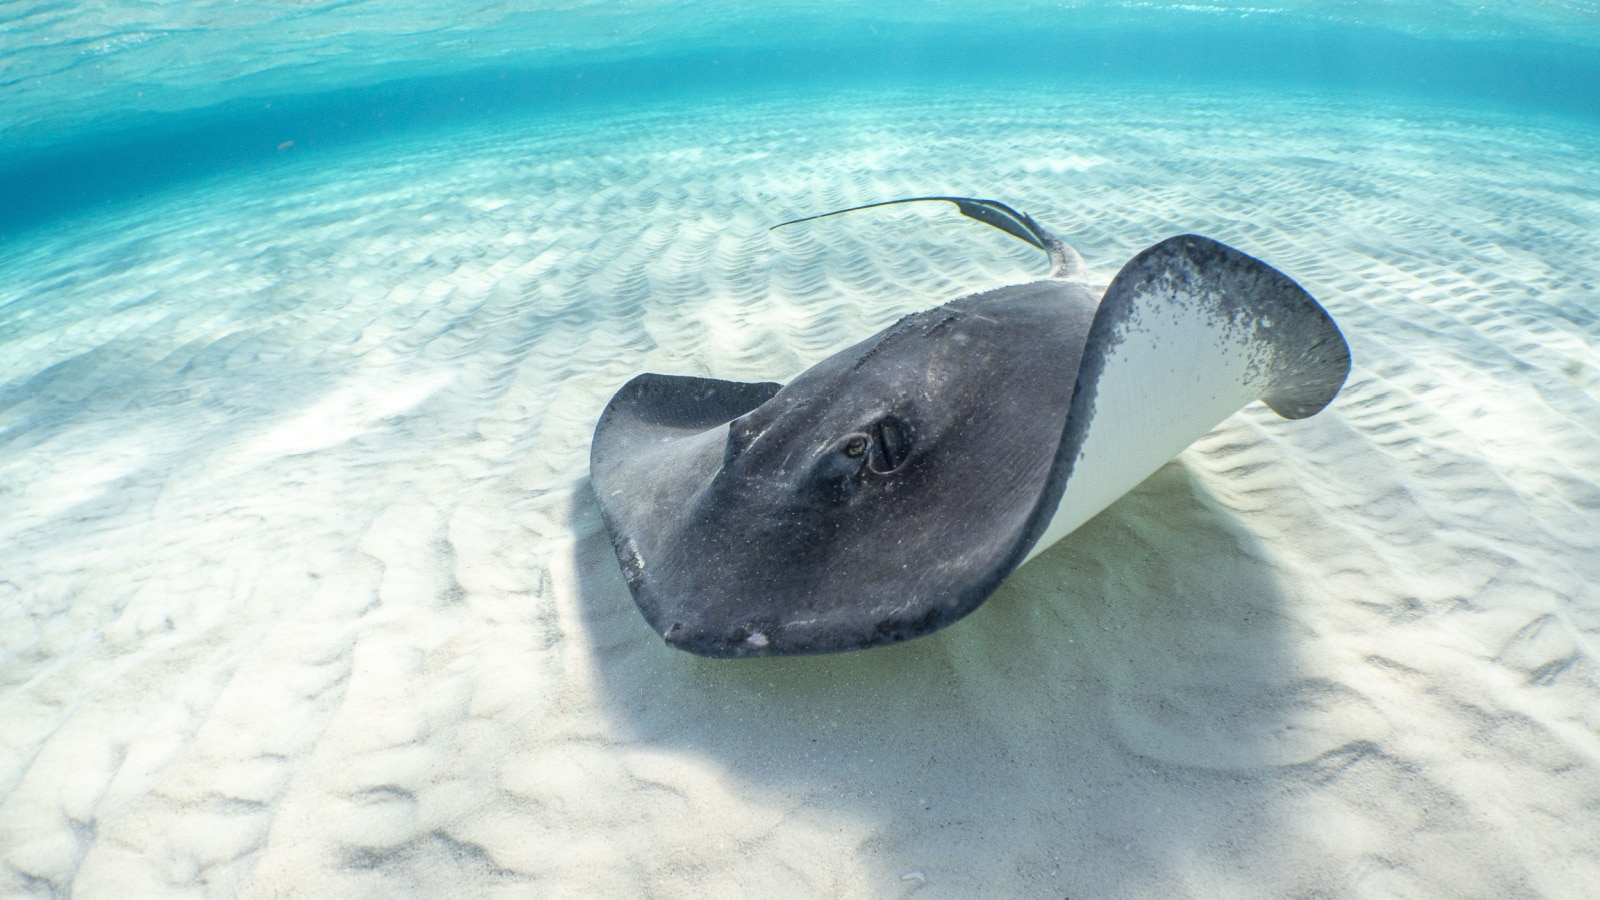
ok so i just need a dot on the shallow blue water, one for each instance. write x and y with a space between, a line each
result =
103 107
307 312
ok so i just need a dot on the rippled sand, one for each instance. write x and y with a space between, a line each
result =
304 592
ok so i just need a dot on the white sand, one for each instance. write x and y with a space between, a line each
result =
303 593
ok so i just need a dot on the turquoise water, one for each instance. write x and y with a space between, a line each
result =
126 101
307 313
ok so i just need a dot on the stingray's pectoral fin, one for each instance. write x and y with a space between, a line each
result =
1188 332
656 424
1065 261
1228 323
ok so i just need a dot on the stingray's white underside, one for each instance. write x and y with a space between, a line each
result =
1177 372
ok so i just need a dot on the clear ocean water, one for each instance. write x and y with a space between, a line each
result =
307 311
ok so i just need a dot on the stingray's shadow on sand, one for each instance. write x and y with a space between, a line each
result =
1103 709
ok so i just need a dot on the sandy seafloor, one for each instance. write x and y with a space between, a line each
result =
305 593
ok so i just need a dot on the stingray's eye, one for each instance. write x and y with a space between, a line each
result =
837 470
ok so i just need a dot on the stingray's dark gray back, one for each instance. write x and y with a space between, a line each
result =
739 556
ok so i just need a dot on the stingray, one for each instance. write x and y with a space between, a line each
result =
888 490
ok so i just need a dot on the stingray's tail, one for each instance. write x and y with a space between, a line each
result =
1064 261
